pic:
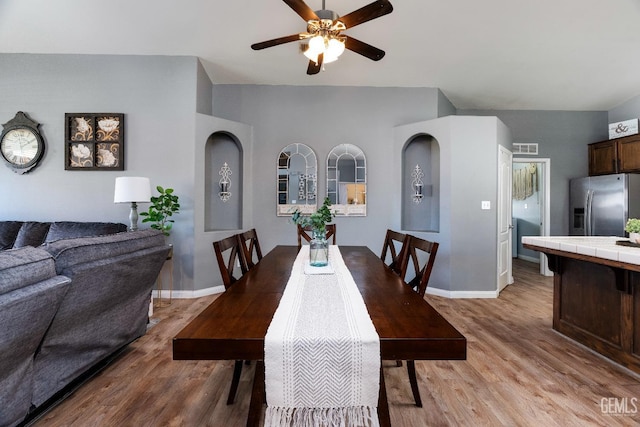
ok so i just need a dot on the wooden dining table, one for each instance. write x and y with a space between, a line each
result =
233 326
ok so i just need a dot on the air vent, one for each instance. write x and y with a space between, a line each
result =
530 149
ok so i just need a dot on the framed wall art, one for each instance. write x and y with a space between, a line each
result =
94 141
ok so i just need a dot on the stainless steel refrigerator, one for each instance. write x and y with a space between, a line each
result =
601 205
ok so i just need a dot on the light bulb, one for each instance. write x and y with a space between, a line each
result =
335 48
316 47
310 55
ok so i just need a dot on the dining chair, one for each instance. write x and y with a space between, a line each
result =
395 245
418 249
235 248
251 248
233 245
306 233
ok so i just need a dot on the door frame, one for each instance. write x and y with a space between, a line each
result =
545 217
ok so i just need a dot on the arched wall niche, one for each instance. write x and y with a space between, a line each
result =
421 184
223 147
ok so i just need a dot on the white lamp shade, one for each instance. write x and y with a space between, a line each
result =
132 189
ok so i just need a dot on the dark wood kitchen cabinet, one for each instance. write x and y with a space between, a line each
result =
619 155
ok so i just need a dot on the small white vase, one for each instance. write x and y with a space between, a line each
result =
634 237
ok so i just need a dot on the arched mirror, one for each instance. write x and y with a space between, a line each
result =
347 180
297 180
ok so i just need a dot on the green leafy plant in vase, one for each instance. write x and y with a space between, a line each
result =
317 221
161 210
633 228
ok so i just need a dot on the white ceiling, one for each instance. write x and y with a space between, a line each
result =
491 54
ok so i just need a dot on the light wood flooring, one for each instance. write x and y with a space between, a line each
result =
519 372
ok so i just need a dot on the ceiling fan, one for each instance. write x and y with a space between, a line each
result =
324 32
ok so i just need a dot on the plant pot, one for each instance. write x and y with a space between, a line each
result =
634 238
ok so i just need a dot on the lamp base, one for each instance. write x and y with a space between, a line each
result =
133 217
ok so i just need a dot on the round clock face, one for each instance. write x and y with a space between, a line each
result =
19 146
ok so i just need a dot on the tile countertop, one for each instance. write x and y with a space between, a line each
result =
596 246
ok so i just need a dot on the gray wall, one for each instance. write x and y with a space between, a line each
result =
206 272
466 264
323 117
158 97
625 111
563 137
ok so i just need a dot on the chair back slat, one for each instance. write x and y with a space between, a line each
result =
251 248
419 249
392 240
306 233
233 245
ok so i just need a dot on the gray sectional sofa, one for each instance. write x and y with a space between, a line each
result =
68 301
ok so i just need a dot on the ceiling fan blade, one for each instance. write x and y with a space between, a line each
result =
363 49
314 67
301 8
367 13
275 42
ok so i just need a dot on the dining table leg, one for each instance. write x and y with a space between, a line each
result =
383 404
258 396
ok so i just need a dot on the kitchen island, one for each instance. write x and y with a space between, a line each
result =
596 296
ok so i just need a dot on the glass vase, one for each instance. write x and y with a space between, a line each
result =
318 250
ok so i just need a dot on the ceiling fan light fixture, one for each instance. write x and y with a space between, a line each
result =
316 47
334 47
324 27
331 47
310 55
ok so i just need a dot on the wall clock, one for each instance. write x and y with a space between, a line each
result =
21 143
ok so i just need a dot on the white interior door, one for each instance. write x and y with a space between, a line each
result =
505 227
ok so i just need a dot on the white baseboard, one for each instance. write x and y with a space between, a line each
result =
190 294
529 258
462 294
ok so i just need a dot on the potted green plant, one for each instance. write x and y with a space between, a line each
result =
161 210
317 221
633 228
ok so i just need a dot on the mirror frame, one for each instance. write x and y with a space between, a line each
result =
356 209
310 176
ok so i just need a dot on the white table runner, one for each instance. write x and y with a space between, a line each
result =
322 352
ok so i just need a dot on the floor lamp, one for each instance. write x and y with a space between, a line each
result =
134 190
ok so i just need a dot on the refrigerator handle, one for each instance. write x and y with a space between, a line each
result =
587 213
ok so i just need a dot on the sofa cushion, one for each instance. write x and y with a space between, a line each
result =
71 229
24 266
69 252
31 234
8 233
